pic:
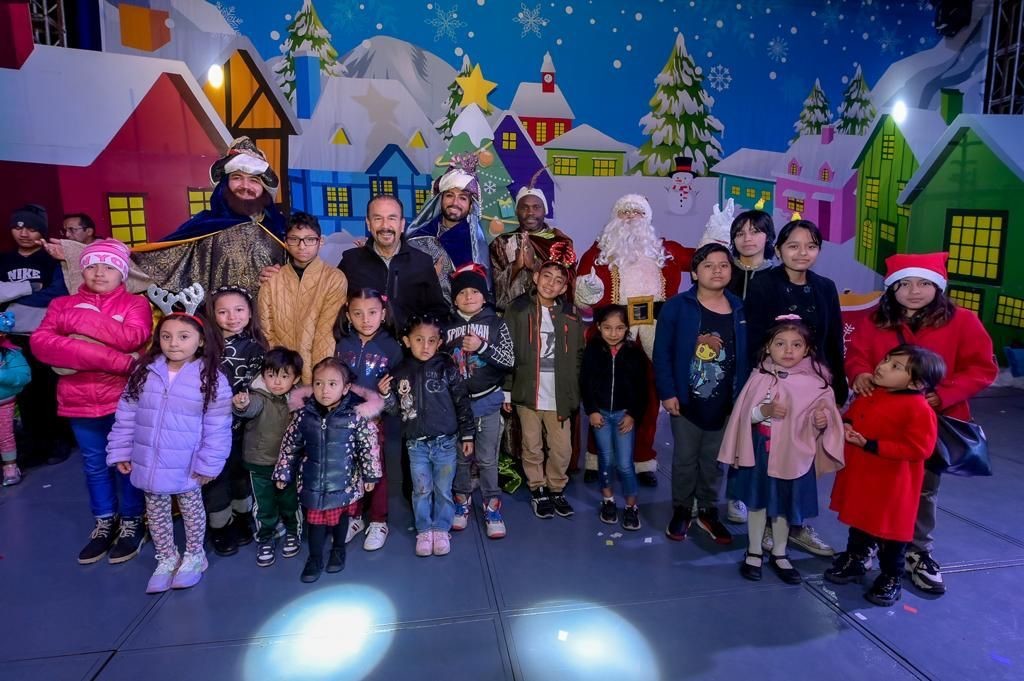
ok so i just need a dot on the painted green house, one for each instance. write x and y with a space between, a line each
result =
968 198
586 151
745 176
895 147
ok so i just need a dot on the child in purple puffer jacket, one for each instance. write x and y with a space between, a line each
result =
172 434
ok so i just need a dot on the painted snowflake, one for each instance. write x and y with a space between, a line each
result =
230 15
530 19
445 23
778 49
830 17
888 40
489 187
719 77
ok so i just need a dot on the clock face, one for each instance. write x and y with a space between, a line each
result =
548 78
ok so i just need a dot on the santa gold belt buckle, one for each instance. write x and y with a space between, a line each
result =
641 310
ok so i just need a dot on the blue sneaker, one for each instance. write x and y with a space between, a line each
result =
493 520
461 518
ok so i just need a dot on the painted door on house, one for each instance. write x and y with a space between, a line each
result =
825 221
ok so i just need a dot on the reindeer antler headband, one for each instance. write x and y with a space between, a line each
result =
189 298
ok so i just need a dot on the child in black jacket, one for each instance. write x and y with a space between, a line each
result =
614 395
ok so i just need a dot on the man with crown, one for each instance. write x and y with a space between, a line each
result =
631 265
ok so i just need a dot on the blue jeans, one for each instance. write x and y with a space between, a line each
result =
485 451
100 478
432 463
615 448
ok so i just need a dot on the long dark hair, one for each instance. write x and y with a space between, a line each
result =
890 314
799 327
253 328
343 327
760 221
603 313
923 365
208 353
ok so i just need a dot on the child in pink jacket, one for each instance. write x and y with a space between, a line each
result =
92 338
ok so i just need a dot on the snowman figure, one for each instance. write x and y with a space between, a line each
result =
681 194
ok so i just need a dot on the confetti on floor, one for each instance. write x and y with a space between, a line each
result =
47 486
861 617
600 534
616 535
648 540
909 608
609 542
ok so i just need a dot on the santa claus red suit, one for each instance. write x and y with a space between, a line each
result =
630 265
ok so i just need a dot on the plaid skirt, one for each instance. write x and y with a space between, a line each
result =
330 517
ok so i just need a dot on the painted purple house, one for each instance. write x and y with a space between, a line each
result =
816 179
521 158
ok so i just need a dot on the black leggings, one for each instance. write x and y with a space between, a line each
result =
318 536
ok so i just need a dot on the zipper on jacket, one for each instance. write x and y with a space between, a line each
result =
611 402
323 458
156 432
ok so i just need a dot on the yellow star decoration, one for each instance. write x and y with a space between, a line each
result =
475 89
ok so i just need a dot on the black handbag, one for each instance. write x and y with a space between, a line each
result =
961 449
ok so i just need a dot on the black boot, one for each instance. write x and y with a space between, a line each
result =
336 560
131 535
102 538
315 563
886 590
314 566
223 540
847 567
647 478
244 528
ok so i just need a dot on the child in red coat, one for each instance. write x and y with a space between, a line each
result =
889 435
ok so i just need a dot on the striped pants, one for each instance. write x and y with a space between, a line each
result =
161 525
8 450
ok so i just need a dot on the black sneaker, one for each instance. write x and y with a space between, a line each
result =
647 478
846 568
561 505
311 572
292 545
609 512
100 541
679 524
336 561
245 528
542 506
266 553
223 540
631 518
707 520
130 538
589 476
886 590
925 573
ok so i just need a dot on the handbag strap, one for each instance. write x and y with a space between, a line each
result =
899 334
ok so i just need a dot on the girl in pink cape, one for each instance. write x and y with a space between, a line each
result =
784 430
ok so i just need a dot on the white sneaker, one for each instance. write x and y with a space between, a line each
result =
736 511
811 541
461 518
375 536
355 526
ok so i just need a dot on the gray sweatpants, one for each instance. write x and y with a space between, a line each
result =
485 450
696 473
926 511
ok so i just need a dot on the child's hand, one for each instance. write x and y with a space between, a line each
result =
472 342
241 400
934 400
384 385
853 437
124 467
671 405
863 385
596 420
467 449
368 486
280 485
774 409
626 424
820 419
201 479
507 407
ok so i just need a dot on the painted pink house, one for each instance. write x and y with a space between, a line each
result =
816 179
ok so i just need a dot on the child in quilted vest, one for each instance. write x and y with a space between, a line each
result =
14 375
172 434
92 339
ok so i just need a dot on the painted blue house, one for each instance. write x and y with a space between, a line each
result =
745 176
519 154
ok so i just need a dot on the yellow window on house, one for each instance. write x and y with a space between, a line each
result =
338 201
901 210
422 196
751 192
127 217
198 200
888 147
565 165
826 174
969 298
509 141
1010 311
382 185
795 204
735 191
559 129
794 167
872 186
867 235
766 196
542 132
887 231
604 167
975 246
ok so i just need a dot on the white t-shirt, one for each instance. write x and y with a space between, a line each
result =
546 384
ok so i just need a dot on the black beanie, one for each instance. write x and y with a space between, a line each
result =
470 276
30 215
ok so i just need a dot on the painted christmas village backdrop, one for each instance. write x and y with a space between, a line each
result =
855 113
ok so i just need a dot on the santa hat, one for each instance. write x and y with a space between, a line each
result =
243 156
532 191
928 266
107 252
470 276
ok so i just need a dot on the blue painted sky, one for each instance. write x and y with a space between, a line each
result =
765 53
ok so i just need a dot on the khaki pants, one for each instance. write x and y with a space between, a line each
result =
538 426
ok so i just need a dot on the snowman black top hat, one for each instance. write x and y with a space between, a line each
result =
684 164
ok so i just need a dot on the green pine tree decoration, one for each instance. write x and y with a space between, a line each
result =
857 112
496 202
306 33
451 104
815 114
680 122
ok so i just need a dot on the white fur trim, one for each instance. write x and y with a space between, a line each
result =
646 466
920 272
250 165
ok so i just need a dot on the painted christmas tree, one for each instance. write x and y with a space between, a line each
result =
856 113
472 135
306 34
815 115
680 122
451 104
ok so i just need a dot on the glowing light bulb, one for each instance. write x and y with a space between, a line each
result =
899 111
215 76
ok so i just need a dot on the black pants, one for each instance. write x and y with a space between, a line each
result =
232 483
44 434
890 553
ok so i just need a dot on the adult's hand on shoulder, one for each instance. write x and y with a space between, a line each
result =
267 272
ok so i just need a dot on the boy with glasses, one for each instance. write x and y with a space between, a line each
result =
300 303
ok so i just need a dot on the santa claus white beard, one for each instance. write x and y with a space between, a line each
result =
626 241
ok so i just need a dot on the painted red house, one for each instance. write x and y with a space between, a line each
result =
128 140
542 108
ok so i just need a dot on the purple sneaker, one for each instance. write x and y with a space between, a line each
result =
163 575
190 571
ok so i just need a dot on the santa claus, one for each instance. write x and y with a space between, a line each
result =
631 265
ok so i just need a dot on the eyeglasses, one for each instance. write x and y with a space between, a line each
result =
304 240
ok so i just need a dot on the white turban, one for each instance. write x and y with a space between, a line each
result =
458 179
